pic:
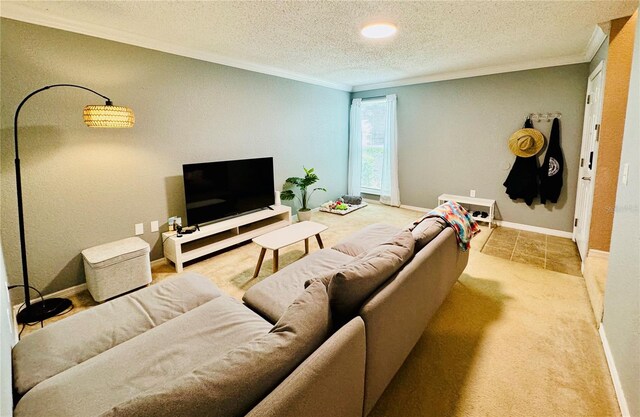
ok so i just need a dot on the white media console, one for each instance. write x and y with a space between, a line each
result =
217 236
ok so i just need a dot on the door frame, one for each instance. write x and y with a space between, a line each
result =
586 222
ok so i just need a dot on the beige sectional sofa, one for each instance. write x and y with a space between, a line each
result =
323 336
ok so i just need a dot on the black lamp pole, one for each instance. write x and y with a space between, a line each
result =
36 312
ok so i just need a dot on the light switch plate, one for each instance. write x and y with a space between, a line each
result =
625 174
139 228
154 226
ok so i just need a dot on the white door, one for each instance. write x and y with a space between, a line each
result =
588 159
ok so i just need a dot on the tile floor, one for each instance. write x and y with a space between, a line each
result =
548 252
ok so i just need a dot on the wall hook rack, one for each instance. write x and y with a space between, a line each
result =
539 117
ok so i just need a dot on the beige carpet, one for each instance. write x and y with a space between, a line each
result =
511 339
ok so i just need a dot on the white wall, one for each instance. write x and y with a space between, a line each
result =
6 342
622 294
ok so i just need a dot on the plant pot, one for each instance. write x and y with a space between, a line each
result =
304 215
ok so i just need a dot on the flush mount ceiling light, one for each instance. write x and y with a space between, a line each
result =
378 30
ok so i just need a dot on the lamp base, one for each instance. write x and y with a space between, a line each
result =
43 310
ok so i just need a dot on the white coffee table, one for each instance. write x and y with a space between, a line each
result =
286 236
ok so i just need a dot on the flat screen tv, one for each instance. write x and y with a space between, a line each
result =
217 190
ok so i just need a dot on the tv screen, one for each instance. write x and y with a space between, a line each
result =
215 190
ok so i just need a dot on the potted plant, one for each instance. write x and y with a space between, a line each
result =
310 178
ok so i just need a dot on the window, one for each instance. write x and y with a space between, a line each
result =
373 149
374 119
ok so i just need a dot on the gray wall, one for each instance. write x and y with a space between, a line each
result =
453 135
622 295
84 187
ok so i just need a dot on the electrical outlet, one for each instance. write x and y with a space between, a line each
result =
154 226
472 193
139 228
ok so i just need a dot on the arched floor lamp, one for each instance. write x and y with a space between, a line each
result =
106 115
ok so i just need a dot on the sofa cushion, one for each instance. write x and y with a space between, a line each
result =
154 358
353 283
273 295
73 340
366 238
424 230
231 385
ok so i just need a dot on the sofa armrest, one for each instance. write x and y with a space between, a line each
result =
397 314
330 382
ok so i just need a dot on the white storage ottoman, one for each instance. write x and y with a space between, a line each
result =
117 267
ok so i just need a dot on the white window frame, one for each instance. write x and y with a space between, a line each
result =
367 190
372 191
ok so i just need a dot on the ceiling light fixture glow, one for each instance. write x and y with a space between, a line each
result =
379 30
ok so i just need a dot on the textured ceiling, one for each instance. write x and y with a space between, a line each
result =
321 41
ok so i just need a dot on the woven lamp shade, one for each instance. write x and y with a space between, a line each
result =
108 116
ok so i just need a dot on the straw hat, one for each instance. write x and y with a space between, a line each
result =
526 142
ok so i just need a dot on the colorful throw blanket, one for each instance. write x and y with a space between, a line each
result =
459 219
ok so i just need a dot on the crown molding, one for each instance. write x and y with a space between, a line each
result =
476 72
16 11
597 38
606 27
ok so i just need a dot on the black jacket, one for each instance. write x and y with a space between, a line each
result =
550 172
522 181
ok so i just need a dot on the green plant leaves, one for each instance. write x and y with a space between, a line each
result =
310 178
287 195
294 181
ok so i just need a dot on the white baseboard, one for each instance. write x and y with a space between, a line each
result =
536 229
415 208
518 226
372 201
77 289
159 261
66 293
595 253
622 401
402 206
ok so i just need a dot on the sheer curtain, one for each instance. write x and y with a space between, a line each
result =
389 189
355 147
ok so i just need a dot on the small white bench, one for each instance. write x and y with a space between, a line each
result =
473 201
